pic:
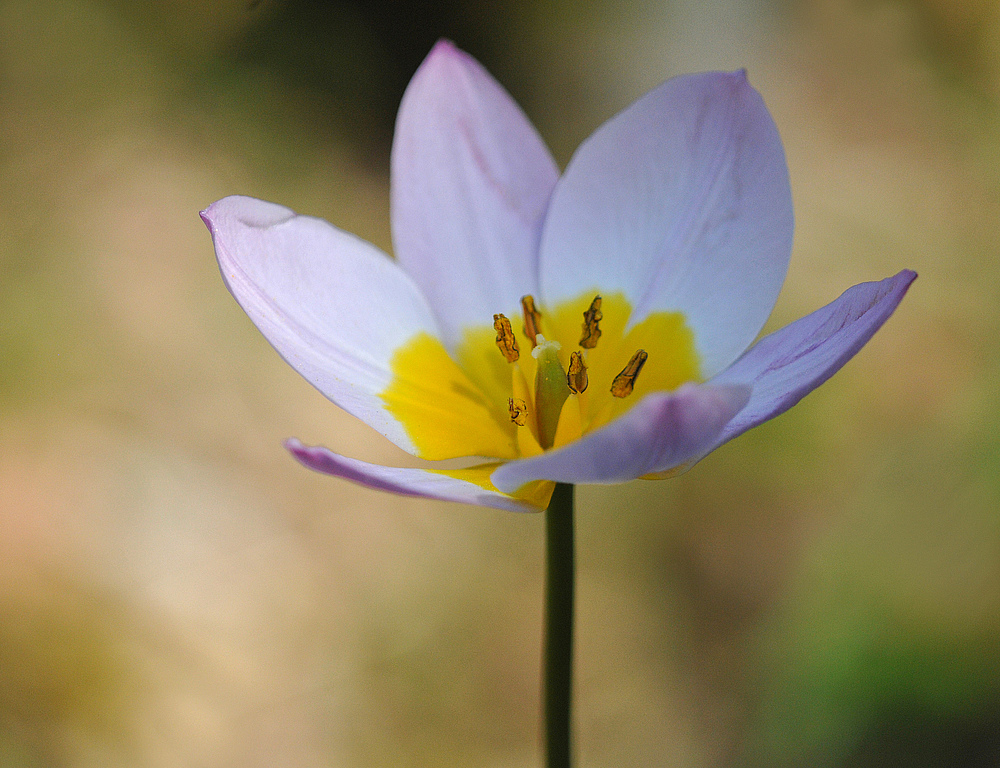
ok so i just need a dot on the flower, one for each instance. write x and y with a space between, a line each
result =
584 328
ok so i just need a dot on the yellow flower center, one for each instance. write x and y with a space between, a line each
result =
560 372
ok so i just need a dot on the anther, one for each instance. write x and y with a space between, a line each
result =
625 381
532 317
505 338
518 411
576 376
591 329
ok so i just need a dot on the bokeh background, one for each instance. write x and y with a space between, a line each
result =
176 591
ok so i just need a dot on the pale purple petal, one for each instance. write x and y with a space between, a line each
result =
787 365
682 202
662 431
404 481
334 306
471 180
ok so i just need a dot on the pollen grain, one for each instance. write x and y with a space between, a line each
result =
518 411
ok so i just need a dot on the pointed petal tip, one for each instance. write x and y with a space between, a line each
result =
902 281
212 211
736 79
444 53
443 47
739 82
249 211
899 284
295 447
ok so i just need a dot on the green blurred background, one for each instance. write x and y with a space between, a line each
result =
176 591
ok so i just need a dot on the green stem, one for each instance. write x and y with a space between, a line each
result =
559 579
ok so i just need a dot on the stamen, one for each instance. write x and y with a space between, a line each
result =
518 411
591 330
576 376
505 338
532 318
624 381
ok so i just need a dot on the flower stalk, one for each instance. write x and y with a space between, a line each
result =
558 663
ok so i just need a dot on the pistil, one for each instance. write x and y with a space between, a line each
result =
551 390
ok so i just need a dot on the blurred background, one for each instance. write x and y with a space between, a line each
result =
176 591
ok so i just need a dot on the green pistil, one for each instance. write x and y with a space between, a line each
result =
551 390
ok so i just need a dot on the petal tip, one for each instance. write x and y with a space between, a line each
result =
206 217
899 284
295 447
249 211
443 47
444 53
735 81
739 82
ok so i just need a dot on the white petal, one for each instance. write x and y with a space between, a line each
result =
404 481
662 431
682 202
471 180
334 306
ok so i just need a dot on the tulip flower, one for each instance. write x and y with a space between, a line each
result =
589 327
